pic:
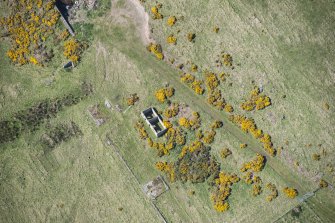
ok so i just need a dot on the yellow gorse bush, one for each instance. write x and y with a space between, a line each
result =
255 165
222 191
192 82
164 93
155 12
29 25
256 100
290 192
171 20
171 39
274 192
72 49
248 125
132 99
156 49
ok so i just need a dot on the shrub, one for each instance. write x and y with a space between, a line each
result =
227 60
171 39
190 37
164 93
132 99
209 137
316 157
194 68
211 80
73 50
255 165
222 190
29 25
192 82
290 192
323 184
256 100
156 13
217 124
142 132
243 145
172 110
228 108
248 178
223 76
256 190
167 168
171 20
248 125
156 49
184 122
191 123
274 192
224 153
199 135
196 164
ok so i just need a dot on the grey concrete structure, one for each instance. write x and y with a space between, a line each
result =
154 121
68 65
65 22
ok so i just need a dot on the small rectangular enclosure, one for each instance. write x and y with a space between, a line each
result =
155 187
154 121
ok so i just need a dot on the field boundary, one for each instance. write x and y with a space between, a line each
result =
110 143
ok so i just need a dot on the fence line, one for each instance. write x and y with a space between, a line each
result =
158 212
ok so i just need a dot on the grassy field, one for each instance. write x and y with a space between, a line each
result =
287 55
83 180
